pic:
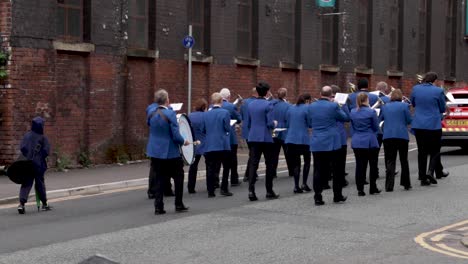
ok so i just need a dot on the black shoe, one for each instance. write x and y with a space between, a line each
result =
396 172
272 195
211 195
408 187
339 199
246 179
169 194
181 208
225 193
431 179
150 196
159 211
216 185
298 190
443 175
327 187
252 196
306 188
319 202
234 184
21 209
346 174
389 190
375 191
361 193
192 191
425 183
46 207
346 183
366 182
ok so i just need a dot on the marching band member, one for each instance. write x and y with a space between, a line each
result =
217 144
429 103
342 152
364 142
280 108
363 85
261 124
197 121
382 87
397 117
234 113
163 148
298 139
325 142
150 111
245 129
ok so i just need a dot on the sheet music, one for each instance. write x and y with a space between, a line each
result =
450 97
377 110
279 129
375 92
233 122
341 98
176 106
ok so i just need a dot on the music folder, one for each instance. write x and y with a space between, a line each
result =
341 98
233 122
176 106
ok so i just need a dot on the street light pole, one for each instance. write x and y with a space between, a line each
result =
190 75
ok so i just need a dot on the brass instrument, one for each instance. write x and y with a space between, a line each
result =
352 86
269 96
404 98
378 104
420 78
238 101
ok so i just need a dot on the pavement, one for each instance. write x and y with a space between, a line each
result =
103 178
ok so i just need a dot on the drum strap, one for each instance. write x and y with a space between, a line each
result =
160 113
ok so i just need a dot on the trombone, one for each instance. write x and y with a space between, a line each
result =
238 101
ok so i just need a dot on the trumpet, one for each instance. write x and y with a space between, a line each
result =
420 78
239 100
352 87
269 96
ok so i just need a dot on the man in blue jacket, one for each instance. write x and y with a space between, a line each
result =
325 143
280 110
217 144
163 148
261 125
245 129
429 103
234 115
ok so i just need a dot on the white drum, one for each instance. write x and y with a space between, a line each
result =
185 130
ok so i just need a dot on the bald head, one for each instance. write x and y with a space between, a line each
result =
326 91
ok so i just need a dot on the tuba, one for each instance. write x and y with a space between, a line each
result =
352 87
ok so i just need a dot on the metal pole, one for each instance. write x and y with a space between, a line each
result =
189 109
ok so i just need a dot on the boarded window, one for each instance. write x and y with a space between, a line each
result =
70 20
290 31
245 28
199 17
364 40
395 31
329 38
138 24
423 36
450 36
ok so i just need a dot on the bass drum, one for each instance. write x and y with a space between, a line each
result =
185 130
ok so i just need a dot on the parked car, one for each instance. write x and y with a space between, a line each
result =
455 123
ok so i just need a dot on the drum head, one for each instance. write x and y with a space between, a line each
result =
185 130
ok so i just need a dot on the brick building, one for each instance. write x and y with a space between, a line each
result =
91 66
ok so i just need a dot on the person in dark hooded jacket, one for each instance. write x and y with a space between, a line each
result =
36 148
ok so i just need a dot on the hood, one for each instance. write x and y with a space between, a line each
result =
37 125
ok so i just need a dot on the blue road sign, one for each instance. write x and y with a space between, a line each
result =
189 41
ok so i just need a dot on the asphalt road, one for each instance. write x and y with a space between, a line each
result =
122 226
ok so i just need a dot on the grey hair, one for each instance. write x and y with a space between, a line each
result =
382 86
225 93
161 96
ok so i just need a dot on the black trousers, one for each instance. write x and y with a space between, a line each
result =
324 163
256 151
164 169
392 147
277 145
429 144
230 165
295 152
380 141
213 161
249 163
341 159
192 175
151 183
366 156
